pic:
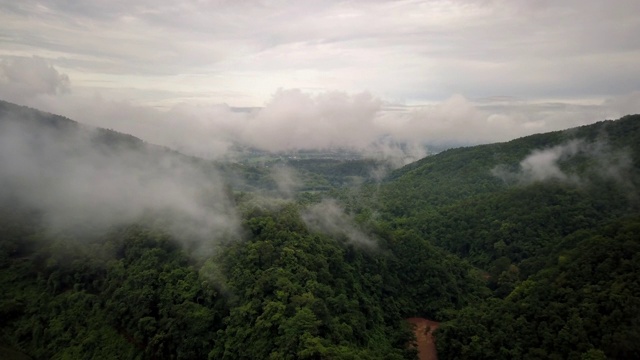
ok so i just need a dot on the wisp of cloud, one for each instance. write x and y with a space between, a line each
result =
545 164
80 177
329 217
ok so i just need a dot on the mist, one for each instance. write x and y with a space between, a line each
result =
81 178
287 181
602 161
293 120
328 217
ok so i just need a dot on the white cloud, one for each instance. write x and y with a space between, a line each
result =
545 164
296 120
78 184
624 105
22 78
330 218
416 51
293 119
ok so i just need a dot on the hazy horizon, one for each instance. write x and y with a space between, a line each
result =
365 75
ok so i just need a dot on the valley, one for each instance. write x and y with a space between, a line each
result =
524 249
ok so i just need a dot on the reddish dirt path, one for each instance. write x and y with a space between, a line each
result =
424 328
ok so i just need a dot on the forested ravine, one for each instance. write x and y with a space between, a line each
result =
423 329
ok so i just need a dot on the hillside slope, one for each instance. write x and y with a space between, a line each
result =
526 249
110 246
552 221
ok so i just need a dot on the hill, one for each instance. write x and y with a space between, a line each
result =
113 246
552 221
525 249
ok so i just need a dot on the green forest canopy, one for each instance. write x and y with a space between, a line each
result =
515 264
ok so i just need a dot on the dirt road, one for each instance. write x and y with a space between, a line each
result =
424 328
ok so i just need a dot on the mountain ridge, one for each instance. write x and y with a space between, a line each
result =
525 249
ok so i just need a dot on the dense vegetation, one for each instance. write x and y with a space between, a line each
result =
560 254
515 264
583 305
283 292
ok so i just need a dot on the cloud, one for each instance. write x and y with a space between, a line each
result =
24 77
546 164
291 120
624 105
295 120
413 51
460 121
328 217
80 179
542 165
286 180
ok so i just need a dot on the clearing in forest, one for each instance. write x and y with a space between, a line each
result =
423 329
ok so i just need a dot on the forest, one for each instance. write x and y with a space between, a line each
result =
528 249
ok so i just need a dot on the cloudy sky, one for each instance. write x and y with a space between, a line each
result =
325 73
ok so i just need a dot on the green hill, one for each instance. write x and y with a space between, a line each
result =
111 247
195 271
552 220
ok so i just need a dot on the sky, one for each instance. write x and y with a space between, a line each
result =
200 76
